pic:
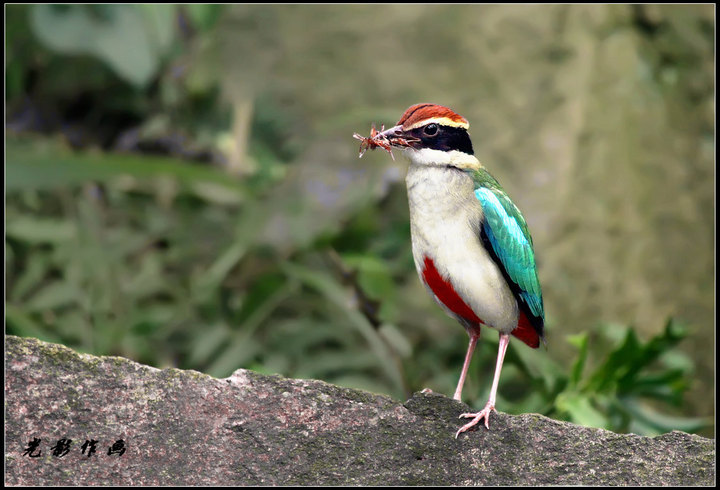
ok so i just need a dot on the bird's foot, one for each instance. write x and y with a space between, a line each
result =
426 390
476 418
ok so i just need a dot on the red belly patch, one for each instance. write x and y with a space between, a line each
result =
446 293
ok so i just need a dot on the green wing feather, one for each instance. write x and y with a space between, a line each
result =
506 231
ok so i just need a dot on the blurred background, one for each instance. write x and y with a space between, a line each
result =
183 189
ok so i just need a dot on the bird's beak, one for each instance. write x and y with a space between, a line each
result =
394 132
398 138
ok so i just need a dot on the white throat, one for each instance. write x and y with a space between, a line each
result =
427 156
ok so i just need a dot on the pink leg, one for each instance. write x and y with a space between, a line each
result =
490 406
474 336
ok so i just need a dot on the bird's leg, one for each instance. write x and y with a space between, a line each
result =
474 333
490 405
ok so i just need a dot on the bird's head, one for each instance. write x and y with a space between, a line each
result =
435 134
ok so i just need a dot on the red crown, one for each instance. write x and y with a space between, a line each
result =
421 114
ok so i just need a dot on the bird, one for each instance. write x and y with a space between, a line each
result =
471 244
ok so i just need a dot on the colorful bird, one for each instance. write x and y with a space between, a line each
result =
471 245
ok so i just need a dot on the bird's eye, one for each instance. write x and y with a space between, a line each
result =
431 129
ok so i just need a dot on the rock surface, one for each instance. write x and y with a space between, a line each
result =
187 428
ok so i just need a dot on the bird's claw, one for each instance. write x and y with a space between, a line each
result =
476 418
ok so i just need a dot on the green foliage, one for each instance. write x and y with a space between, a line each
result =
133 40
618 392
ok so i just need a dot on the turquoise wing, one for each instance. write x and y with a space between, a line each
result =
505 231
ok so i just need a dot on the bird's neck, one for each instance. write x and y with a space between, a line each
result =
447 172
437 193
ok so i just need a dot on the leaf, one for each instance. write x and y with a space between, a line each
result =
73 324
373 274
54 295
33 163
34 230
215 193
667 386
128 38
31 277
328 363
581 342
649 421
264 309
207 283
616 365
300 337
20 323
580 410
652 350
159 21
208 341
240 350
147 281
396 339
328 287
204 17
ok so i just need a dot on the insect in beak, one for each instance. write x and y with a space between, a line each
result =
384 139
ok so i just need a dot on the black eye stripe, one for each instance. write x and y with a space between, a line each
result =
447 138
